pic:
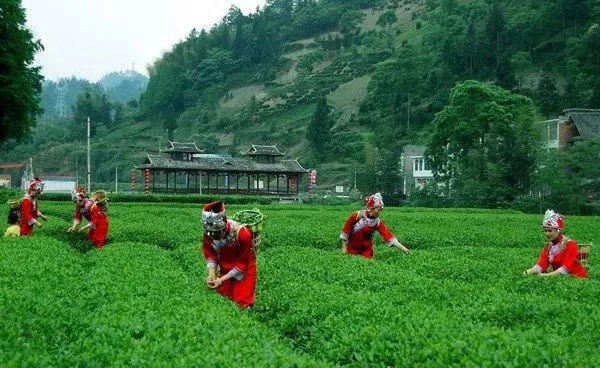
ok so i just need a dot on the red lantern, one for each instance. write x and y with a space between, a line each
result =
147 180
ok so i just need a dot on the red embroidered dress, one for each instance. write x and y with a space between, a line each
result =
561 254
358 232
29 215
234 254
98 226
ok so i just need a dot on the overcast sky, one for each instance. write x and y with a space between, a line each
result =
90 38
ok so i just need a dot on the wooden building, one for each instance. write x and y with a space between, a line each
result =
184 168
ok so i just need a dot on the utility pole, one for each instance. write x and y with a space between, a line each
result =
89 175
31 175
116 178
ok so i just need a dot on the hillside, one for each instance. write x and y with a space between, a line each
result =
59 97
385 68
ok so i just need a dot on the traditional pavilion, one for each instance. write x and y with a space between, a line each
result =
184 168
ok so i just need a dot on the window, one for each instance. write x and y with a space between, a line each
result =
418 164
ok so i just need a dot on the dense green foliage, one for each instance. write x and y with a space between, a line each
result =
483 144
124 87
58 98
458 299
318 132
20 81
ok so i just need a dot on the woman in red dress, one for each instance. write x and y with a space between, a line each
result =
98 222
559 256
82 208
357 233
228 249
29 210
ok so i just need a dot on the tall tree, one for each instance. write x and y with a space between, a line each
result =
547 95
496 31
483 144
20 82
95 105
318 132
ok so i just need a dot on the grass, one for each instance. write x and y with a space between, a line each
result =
458 299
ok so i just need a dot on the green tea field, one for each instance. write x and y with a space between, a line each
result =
458 299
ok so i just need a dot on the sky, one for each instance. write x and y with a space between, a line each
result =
91 38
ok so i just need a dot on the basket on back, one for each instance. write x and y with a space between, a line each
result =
253 220
583 255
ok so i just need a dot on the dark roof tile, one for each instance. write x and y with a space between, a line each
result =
215 163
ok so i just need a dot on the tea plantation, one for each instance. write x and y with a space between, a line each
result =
458 299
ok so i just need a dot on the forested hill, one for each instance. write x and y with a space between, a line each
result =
344 83
59 97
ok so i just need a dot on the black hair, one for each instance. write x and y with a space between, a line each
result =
13 217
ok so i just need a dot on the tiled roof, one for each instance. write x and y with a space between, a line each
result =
183 147
222 164
257 150
587 121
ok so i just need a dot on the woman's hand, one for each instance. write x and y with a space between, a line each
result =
211 277
215 283
403 248
551 274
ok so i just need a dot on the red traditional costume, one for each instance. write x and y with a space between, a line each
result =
83 206
29 209
84 212
359 228
233 253
561 253
98 224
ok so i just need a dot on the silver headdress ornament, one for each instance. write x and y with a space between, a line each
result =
554 220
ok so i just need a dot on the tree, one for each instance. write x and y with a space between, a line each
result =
95 105
483 144
389 178
387 18
595 98
495 30
20 82
568 178
318 132
547 95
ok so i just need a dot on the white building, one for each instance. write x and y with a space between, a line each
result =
53 183
415 168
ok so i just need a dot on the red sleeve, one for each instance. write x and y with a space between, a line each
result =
570 257
347 229
385 232
543 261
27 214
210 255
246 255
77 215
